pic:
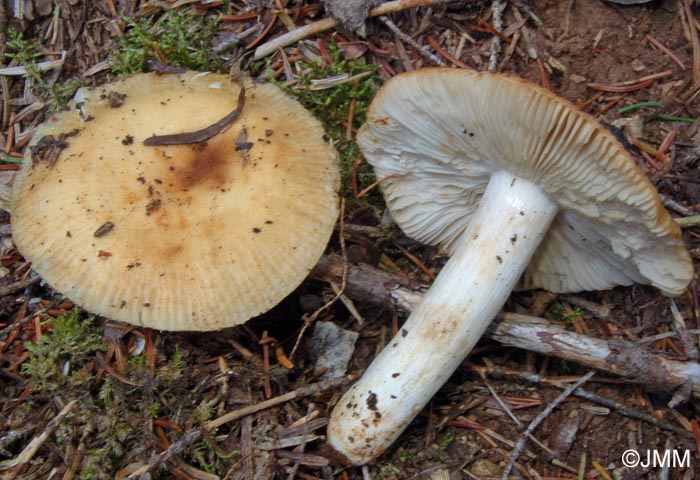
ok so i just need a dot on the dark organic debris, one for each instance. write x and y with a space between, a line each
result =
48 148
203 134
104 229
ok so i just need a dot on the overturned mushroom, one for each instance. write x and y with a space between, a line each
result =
197 235
517 185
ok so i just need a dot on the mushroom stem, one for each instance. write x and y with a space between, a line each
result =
504 232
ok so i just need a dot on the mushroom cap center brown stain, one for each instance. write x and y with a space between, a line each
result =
207 165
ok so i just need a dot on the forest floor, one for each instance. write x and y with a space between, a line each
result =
86 397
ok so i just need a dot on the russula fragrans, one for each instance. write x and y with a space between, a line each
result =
520 187
177 201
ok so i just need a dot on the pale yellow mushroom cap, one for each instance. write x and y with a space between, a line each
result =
181 237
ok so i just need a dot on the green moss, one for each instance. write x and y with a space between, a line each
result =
175 369
184 39
559 312
27 53
347 80
58 356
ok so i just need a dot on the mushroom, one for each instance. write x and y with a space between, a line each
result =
192 236
518 186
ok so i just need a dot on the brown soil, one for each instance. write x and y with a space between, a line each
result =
464 432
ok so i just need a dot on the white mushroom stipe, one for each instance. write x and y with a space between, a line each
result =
505 231
524 191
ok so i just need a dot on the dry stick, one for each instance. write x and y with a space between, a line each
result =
633 361
671 204
327 23
194 435
295 468
408 39
33 446
620 357
504 406
497 22
247 447
687 222
608 402
535 18
689 346
520 444
17 286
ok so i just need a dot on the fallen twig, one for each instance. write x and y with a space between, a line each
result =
194 435
689 347
422 50
33 446
20 285
632 361
327 23
40 66
687 222
626 410
520 444
496 40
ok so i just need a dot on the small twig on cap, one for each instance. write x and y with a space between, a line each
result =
205 133
520 444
